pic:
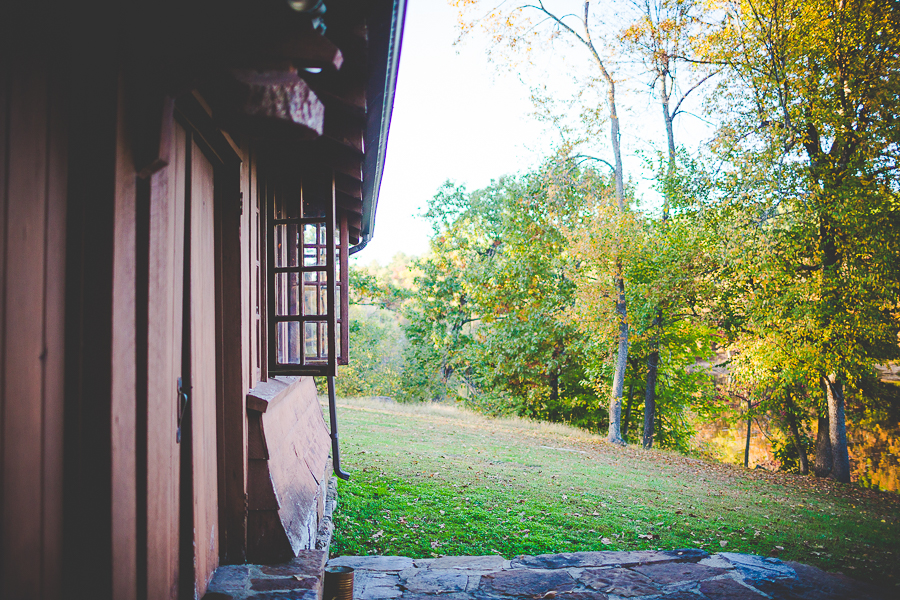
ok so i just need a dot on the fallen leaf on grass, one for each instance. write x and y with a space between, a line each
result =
606 540
723 543
378 534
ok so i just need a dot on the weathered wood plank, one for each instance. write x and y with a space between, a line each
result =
260 492
306 48
298 445
124 376
231 346
256 437
348 185
54 345
20 572
203 364
269 100
267 542
163 369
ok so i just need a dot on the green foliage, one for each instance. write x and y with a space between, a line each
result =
514 313
786 453
486 327
377 341
376 359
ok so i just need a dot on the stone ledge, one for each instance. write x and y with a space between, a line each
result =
300 579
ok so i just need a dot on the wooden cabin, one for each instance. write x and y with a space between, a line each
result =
181 185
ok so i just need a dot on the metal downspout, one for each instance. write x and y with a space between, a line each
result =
335 448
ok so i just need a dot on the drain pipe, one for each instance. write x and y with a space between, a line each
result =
335 448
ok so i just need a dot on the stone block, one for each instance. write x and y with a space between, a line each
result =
285 595
668 573
268 584
477 563
437 582
755 567
521 582
813 583
309 563
230 579
451 596
728 589
582 595
372 563
619 581
717 561
604 559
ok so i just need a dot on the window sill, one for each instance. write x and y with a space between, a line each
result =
271 392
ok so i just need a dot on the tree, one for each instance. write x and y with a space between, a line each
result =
810 136
662 35
485 327
517 31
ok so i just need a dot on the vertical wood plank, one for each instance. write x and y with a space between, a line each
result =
5 81
54 346
20 571
203 361
232 319
124 521
164 367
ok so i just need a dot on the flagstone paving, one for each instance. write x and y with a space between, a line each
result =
687 574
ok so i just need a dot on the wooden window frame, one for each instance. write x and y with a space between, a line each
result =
336 252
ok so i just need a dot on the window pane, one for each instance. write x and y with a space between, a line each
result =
286 246
315 342
337 304
288 343
287 294
312 252
337 265
309 233
310 305
313 209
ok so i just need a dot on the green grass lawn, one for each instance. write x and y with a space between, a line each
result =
433 480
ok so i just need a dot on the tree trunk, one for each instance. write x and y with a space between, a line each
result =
824 458
747 445
837 429
650 389
615 403
628 409
650 398
795 434
670 138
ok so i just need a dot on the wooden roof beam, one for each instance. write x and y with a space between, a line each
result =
351 205
348 185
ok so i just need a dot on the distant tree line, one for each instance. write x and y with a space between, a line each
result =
776 247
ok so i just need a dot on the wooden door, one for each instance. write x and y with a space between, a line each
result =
164 366
182 507
202 315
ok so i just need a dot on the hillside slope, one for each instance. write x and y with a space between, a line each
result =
433 480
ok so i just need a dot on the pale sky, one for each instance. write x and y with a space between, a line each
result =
456 118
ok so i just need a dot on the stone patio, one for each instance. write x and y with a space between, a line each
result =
688 574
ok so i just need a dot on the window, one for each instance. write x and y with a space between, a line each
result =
307 266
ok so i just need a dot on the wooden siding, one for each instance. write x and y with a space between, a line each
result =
203 369
288 459
124 377
32 285
164 335
232 359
